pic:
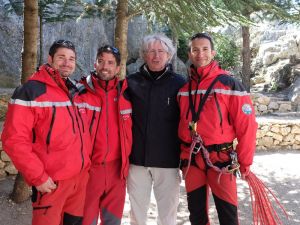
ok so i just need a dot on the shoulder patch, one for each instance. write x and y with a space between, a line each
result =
247 109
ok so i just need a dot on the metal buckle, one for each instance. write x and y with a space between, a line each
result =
226 148
235 166
196 149
193 126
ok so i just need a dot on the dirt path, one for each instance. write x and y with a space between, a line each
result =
279 170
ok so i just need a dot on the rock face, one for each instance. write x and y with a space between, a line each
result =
87 35
11 29
294 95
277 59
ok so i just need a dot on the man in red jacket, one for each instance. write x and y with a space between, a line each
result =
215 109
46 136
109 113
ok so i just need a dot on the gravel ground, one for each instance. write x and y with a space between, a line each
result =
279 171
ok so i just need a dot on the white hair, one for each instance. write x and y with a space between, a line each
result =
163 39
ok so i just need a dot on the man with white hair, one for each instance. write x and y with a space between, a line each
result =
154 159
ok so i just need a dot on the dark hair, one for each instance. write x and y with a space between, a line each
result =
61 44
112 50
202 35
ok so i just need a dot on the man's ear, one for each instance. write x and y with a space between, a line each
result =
189 54
118 69
49 60
214 53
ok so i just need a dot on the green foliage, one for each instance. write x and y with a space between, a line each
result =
58 10
228 53
184 16
14 7
98 8
182 50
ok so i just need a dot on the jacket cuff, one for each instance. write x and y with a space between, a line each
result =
245 170
41 180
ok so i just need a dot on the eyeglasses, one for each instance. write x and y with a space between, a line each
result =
115 50
110 49
158 52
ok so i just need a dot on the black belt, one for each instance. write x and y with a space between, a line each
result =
219 147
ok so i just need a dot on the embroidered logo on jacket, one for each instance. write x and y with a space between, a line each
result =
247 109
82 110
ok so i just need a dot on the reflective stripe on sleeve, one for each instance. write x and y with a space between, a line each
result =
126 111
39 104
88 106
220 91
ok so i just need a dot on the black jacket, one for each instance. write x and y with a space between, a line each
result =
155 115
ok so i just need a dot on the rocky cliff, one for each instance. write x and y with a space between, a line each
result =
87 35
275 48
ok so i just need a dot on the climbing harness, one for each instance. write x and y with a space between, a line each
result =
233 168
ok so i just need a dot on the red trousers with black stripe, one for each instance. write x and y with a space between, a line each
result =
105 196
64 205
199 180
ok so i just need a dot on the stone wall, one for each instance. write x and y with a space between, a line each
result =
6 167
267 105
281 133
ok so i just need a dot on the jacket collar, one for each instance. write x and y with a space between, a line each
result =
144 69
202 72
93 83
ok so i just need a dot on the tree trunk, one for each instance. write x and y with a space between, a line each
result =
29 54
29 58
21 191
41 39
175 42
121 31
246 58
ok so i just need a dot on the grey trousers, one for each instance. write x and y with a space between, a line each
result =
166 186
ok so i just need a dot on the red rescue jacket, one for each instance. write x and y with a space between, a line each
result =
45 129
109 114
227 114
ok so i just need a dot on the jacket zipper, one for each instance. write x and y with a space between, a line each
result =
80 134
51 127
125 149
219 111
82 124
71 119
107 150
92 122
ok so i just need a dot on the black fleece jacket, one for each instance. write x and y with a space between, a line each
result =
155 115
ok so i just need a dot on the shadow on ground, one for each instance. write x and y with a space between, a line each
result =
278 170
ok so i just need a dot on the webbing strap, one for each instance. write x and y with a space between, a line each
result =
195 115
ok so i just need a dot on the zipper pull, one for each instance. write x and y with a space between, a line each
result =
168 101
